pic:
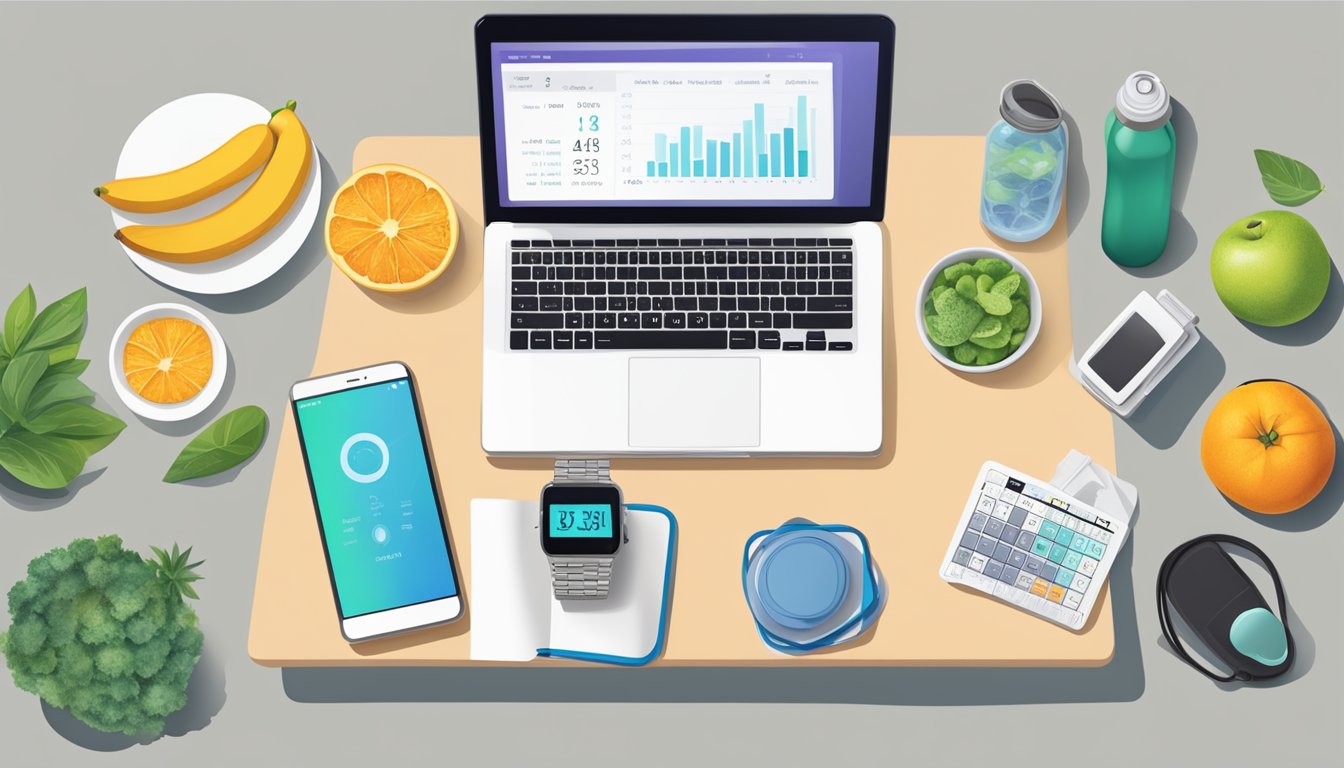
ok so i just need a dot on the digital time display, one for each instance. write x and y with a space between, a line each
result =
590 521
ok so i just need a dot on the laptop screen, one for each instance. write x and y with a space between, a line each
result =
694 124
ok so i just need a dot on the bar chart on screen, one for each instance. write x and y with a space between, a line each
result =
670 131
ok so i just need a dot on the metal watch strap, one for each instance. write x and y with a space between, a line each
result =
575 577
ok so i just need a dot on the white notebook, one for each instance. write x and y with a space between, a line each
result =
515 617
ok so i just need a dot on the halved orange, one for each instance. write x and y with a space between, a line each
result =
391 228
168 360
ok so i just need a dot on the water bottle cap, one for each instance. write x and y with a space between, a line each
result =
1143 102
1026 106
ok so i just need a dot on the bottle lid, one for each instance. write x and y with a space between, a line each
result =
1026 106
803 581
1143 102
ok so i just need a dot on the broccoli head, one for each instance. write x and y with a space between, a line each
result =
98 630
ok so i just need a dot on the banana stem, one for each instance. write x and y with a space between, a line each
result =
99 191
291 105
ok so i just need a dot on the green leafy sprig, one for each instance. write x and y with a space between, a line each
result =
173 569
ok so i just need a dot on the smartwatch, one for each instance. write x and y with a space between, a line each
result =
582 528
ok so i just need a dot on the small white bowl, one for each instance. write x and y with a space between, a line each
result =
971 254
168 411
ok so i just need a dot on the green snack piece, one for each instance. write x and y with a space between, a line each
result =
995 268
939 280
938 290
994 304
996 192
1023 292
1016 340
983 283
990 356
936 327
944 351
958 316
967 287
1007 286
928 307
996 341
989 326
965 353
1031 161
954 273
1019 317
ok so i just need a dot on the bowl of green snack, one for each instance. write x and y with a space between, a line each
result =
978 310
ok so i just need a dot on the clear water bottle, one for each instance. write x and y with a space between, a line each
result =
1025 157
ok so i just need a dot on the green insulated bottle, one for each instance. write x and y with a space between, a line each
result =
1140 163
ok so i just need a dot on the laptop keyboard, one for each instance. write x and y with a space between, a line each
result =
783 294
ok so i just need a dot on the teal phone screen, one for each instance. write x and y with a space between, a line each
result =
383 530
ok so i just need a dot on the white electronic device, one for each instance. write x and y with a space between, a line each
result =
1138 350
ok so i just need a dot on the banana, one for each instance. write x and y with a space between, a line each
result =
232 162
247 218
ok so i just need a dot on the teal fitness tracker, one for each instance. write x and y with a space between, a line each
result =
582 528
1224 609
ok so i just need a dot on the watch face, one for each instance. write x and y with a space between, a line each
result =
581 519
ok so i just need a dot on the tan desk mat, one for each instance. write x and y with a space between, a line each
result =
940 426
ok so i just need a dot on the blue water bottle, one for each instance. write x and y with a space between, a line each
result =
1025 156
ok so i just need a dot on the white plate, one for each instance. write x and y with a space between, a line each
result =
182 132
168 411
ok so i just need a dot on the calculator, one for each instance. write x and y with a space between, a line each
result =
1032 545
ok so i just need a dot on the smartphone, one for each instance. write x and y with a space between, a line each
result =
379 512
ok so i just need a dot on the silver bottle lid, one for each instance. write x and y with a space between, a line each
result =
1143 102
1026 106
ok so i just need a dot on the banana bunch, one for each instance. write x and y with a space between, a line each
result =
280 148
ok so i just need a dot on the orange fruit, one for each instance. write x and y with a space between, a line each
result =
391 228
1268 447
168 360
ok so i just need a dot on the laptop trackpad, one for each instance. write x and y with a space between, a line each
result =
695 402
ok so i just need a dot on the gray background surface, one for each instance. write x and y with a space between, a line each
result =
77 78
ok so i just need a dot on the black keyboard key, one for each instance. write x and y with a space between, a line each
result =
605 243
573 320
524 303
708 304
583 339
674 321
684 303
627 273
728 304
595 288
662 304
550 289
524 289
540 273
642 304
768 339
841 346
830 320
796 304
793 346
617 288
517 258
737 320
541 340
519 243
808 241
816 335
841 241
627 320
616 304
583 304
564 273
651 320
769 288
551 304
647 243
660 339
727 288
813 273
563 339
605 320
842 272
748 303
782 320
548 258
582 243
772 273
537 320
816 346
824 289
783 241
845 288
776 304
741 339
842 257
830 304
660 288
758 320
698 321
807 289
584 273
758 241
517 339
718 320
574 288
648 273
522 273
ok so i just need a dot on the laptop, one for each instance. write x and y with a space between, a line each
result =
682 254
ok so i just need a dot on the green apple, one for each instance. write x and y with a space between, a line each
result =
1271 268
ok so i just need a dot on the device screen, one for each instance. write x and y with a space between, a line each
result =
581 520
1121 358
685 123
381 524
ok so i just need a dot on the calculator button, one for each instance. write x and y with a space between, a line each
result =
1024 581
985 546
1025 540
993 490
996 477
1088 566
985 505
1104 537
1065 577
1040 587
993 527
1048 571
1072 559
1029 504
1009 574
1056 594
1017 516
977 521
1081 582
978 561
1064 536
1002 510
1040 547
1057 553
1010 534
1056 516
1017 559
1072 619
1095 549
969 540
1033 565
994 569
1073 599
962 556
1032 523
1008 496
1002 552
1080 543
1049 530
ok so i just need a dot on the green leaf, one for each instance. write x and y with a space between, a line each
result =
42 461
1288 181
19 319
53 389
73 367
230 441
18 381
63 353
75 420
175 569
61 323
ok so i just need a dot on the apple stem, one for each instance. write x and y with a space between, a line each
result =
1269 439
1256 229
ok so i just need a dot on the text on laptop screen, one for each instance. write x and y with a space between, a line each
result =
684 124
